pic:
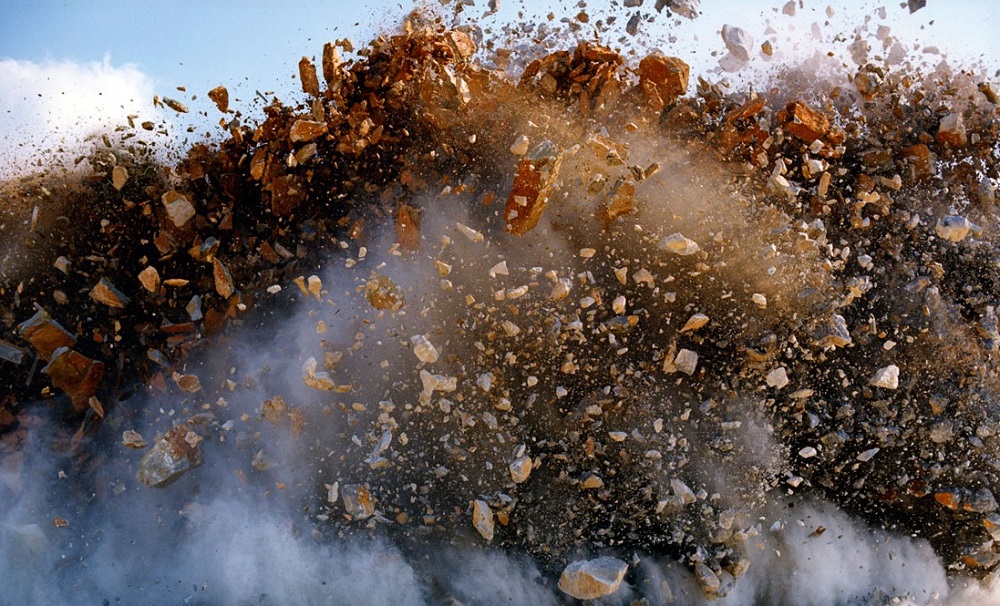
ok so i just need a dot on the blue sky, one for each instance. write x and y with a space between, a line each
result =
66 65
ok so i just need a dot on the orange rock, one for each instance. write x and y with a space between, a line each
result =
528 198
804 122
105 292
621 201
223 280
408 228
45 334
662 79
220 95
287 193
307 75
76 374
920 158
306 130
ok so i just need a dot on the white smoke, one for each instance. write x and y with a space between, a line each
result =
49 108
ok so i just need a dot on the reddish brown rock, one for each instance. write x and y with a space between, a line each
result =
804 122
76 374
663 79
528 198
45 334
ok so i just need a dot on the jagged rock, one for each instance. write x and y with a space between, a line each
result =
482 519
533 184
172 456
76 374
592 579
886 378
45 334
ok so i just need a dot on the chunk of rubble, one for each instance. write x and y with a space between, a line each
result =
172 456
662 79
45 334
150 279
132 439
695 322
738 42
686 361
520 469
536 176
220 96
105 292
306 130
76 374
708 580
11 353
482 519
383 293
424 349
223 279
179 208
359 503
119 176
777 378
678 244
886 377
593 579
951 130
804 122
953 228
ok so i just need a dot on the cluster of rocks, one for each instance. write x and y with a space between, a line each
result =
617 314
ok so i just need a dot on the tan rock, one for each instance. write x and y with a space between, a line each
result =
592 579
105 292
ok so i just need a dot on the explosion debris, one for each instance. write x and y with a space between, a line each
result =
686 306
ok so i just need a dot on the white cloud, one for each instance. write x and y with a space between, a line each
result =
50 105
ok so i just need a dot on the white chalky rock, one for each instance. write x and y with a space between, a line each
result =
592 579
520 469
953 228
738 41
887 378
686 361
424 349
777 378
678 244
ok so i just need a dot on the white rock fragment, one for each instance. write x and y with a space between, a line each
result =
618 305
561 289
738 41
468 232
178 207
694 323
777 378
617 436
500 269
868 454
887 377
684 494
317 380
520 469
686 361
953 228
482 519
678 244
760 300
592 579
424 349
808 452
520 146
